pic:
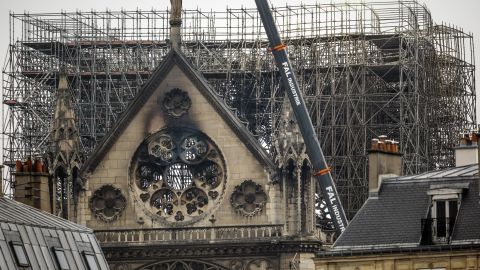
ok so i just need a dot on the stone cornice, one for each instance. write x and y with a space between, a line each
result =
139 251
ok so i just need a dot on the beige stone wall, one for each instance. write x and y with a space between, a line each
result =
469 260
297 261
240 162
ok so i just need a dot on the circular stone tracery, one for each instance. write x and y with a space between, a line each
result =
107 203
178 175
248 198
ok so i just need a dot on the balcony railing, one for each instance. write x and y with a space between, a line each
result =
266 232
437 230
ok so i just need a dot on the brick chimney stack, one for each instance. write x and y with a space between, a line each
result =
31 184
385 161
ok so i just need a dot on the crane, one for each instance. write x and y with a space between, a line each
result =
314 151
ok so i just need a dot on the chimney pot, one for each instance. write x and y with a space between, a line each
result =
381 146
463 140
18 166
394 146
374 145
388 146
27 166
474 138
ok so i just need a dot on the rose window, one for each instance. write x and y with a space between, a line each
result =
248 198
107 203
176 103
178 175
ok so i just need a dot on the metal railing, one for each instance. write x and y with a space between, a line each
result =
436 230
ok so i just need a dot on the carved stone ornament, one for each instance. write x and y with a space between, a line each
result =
263 264
248 198
322 214
108 203
183 265
178 176
176 103
120 266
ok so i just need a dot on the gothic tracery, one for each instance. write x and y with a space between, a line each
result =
178 175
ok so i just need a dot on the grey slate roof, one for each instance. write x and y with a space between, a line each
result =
40 233
177 57
14 212
393 219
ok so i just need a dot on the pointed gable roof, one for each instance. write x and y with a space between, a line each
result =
176 57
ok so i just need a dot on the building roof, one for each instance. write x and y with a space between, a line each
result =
393 218
14 212
176 57
40 233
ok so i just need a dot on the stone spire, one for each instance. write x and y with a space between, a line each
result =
64 153
289 143
298 185
175 23
65 142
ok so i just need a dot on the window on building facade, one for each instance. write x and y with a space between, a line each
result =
19 253
178 176
61 259
90 261
445 213
438 227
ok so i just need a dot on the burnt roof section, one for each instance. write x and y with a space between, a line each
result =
39 234
393 219
176 57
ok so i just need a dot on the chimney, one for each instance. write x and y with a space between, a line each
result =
385 161
466 151
175 23
31 184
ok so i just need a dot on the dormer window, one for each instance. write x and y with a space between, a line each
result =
61 259
445 203
90 261
444 213
19 254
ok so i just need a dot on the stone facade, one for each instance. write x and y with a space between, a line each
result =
114 168
239 211
407 260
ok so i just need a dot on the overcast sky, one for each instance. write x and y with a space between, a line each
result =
463 13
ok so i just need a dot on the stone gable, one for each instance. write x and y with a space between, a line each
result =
115 167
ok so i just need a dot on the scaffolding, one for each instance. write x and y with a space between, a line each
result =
366 69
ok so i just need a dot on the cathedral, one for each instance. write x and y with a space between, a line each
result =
179 182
